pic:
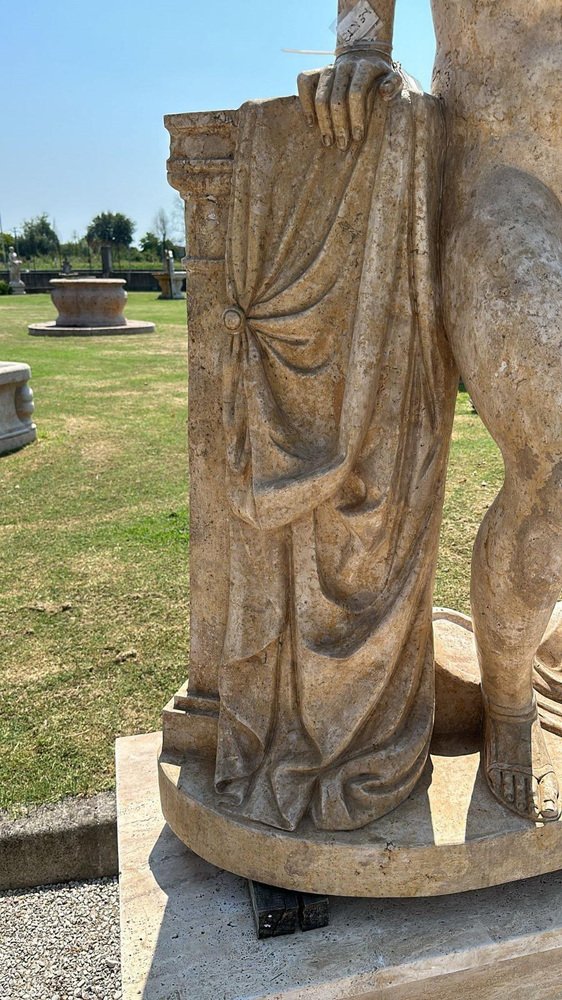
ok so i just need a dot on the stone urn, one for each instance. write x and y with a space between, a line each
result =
89 306
89 302
163 279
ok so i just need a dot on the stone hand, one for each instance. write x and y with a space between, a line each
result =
339 98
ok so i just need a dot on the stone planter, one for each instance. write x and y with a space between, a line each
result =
89 302
163 279
16 407
89 306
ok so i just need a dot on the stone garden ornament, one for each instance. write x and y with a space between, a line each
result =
350 253
17 286
17 428
89 307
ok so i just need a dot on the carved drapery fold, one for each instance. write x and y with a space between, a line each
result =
338 397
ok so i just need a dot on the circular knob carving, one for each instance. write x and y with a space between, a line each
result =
24 401
233 319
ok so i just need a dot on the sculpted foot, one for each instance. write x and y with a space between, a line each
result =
518 766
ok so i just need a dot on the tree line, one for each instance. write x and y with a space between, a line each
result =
38 239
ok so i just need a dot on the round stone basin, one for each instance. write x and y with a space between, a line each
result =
89 302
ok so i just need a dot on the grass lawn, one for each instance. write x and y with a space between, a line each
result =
94 530
94 535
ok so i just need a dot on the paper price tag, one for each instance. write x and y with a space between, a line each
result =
359 23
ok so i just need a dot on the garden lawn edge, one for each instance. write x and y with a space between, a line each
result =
72 840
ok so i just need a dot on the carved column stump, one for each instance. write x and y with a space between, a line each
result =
200 169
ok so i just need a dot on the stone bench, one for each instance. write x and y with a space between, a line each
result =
16 407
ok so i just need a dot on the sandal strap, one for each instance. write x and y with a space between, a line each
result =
526 772
506 714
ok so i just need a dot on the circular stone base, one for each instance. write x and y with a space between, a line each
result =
52 330
451 835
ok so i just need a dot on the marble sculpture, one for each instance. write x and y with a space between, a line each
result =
350 254
17 286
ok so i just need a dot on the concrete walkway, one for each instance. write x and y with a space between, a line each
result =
61 942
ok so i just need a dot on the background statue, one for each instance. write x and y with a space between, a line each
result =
17 286
14 266
501 253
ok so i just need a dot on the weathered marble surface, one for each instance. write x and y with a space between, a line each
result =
434 843
89 306
502 286
318 451
337 398
501 266
187 929
16 407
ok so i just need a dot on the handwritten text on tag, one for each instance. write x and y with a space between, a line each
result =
360 22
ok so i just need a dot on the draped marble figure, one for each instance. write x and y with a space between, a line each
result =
501 253
498 73
338 396
351 253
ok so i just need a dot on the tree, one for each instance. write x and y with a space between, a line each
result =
162 226
177 217
38 238
110 229
170 228
150 245
6 241
76 249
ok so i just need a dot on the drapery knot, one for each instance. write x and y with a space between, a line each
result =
234 319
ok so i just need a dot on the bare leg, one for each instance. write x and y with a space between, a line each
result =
503 286
512 603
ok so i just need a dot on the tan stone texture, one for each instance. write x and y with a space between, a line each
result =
449 836
187 931
333 293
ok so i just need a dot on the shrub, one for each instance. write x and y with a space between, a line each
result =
4 288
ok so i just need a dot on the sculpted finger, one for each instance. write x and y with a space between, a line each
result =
323 112
338 104
360 90
307 84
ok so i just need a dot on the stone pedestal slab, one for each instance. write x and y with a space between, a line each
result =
187 931
52 330
16 407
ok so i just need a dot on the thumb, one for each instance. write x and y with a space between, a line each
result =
391 85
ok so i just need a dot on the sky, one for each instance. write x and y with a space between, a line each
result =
85 87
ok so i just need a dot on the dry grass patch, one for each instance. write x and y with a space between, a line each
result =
94 521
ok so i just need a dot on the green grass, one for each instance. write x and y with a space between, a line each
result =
474 478
94 531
